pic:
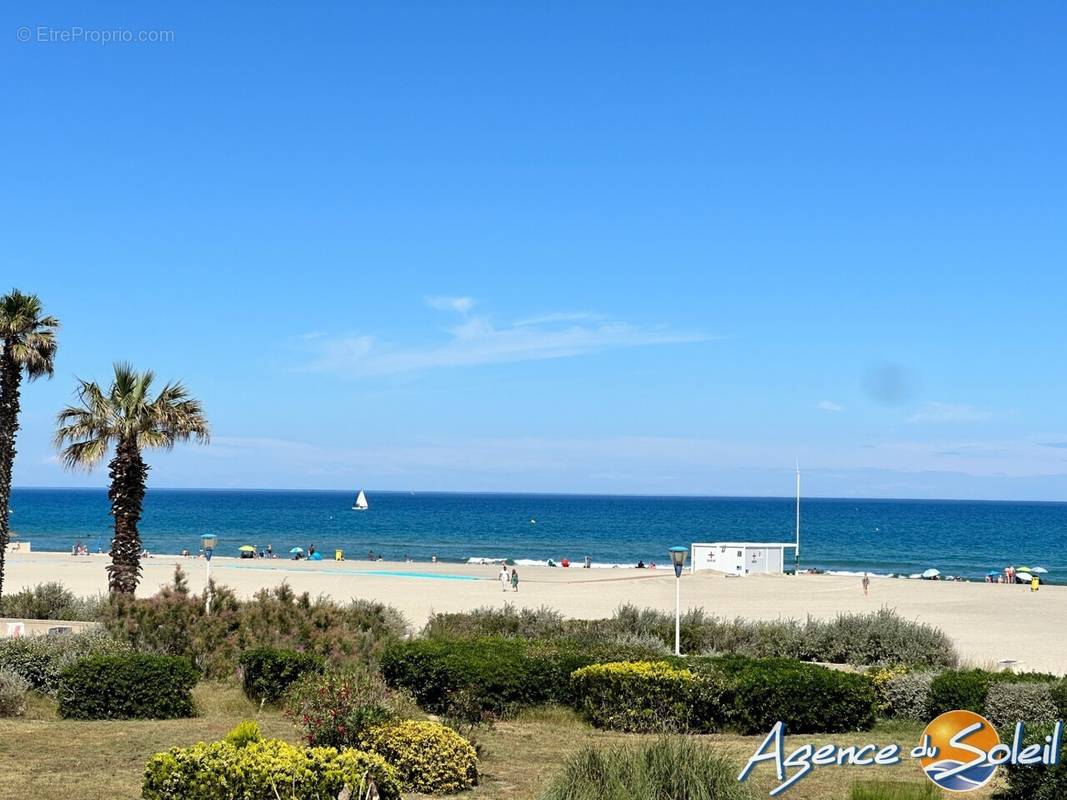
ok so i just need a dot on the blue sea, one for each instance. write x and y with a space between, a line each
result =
881 536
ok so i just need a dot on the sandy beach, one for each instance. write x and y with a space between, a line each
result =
989 623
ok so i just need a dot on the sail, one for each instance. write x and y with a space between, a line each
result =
361 501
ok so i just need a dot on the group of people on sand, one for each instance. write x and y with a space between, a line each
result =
508 579
1011 575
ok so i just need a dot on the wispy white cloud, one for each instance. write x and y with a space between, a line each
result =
829 405
478 340
949 412
565 316
461 305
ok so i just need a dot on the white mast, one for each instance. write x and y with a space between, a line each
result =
798 515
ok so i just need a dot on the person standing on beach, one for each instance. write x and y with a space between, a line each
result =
514 580
1035 583
505 578
866 584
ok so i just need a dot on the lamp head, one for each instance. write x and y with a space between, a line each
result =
208 542
678 555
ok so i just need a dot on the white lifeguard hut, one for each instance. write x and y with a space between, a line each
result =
740 558
747 558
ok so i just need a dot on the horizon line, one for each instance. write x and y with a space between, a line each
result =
504 493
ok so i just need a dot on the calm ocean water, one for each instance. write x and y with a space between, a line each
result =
883 536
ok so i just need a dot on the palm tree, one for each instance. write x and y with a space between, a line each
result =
130 419
28 338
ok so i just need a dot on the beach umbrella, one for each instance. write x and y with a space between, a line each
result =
1022 569
931 573
296 550
247 548
1025 575
993 573
1039 571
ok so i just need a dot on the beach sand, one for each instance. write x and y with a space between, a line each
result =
988 623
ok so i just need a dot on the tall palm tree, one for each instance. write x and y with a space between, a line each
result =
130 419
28 340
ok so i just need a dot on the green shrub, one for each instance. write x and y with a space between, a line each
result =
880 638
500 674
244 733
806 697
1008 703
526 623
667 769
429 757
336 708
649 696
267 672
175 622
907 696
129 686
50 601
1036 782
265 770
968 689
1058 691
41 659
960 689
887 790
13 690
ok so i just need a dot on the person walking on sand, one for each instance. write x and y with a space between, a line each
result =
514 580
866 584
505 579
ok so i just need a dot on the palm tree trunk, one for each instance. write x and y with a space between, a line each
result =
10 377
128 474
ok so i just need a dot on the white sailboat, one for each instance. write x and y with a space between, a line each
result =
361 502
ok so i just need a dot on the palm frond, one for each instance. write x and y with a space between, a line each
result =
85 454
27 334
127 412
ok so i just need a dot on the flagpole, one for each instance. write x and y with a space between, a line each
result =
797 554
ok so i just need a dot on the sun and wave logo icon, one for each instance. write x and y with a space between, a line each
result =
958 745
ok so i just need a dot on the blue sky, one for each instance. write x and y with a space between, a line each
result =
556 247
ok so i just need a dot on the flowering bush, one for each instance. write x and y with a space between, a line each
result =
335 708
266 769
429 757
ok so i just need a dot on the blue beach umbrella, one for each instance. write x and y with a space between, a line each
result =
993 573
296 550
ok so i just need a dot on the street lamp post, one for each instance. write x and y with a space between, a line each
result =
208 542
678 559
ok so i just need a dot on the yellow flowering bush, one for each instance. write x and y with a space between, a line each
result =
882 677
265 769
429 757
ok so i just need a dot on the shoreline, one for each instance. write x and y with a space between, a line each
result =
850 572
988 623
